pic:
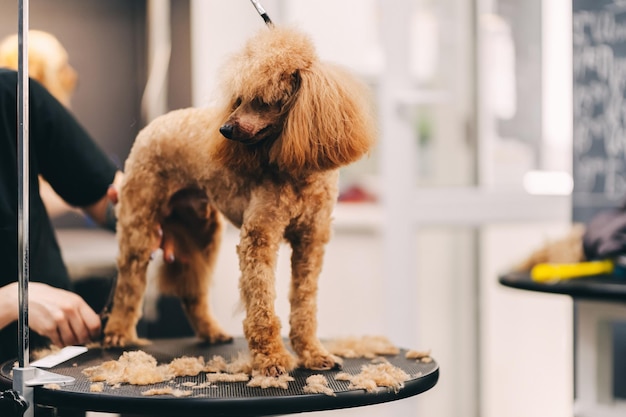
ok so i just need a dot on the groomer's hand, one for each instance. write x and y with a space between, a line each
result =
60 315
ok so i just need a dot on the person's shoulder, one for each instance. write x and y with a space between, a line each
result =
8 82
8 76
40 99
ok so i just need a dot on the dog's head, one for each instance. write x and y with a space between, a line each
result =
308 114
47 63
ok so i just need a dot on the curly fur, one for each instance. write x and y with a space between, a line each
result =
291 123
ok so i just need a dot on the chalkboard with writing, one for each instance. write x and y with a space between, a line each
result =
599 107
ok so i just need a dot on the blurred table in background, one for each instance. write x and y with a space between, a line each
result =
599 339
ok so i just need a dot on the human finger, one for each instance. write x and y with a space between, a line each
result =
66 334
79 328
112 194
54 335
91 321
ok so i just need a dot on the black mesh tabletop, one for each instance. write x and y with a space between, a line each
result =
220 398
599 287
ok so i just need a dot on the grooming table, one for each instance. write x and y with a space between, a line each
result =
600 287
600 303
220 398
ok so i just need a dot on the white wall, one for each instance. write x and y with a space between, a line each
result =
526 337
218 29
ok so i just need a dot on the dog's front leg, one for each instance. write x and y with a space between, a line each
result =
257 258
306 264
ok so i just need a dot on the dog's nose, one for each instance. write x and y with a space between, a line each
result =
227 131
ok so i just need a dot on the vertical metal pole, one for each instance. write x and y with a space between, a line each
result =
262 13
23 373
25 377
23 182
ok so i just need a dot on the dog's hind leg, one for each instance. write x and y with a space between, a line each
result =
132 265
306 264
141 208
196 229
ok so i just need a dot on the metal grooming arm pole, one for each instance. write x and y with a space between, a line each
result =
23 174
262 13
25 377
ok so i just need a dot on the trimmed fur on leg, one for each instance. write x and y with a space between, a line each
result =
257 251
306 264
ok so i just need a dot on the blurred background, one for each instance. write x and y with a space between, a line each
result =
472 171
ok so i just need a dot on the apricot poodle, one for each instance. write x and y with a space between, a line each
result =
267 159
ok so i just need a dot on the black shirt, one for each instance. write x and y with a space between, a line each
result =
65 155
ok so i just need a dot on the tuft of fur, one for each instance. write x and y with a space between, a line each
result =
566 249
266 160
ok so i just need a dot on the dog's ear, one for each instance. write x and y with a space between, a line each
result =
329 124
295 81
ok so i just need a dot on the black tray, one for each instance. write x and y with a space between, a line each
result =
600 287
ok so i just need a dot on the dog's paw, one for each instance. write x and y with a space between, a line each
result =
274 371
118 340
321 362
274 365
215 338
113 340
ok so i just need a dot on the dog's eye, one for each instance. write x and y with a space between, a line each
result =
237 103
260 105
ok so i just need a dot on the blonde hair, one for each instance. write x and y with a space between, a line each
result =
48 63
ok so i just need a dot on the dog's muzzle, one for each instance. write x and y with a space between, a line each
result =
227 131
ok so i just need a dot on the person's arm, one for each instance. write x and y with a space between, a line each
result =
55 205
99 210
70 160
8 308
60 315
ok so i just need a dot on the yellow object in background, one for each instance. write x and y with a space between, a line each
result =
553 272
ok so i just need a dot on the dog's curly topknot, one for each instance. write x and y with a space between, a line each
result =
263 62
273 44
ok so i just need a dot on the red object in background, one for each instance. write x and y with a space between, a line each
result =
356 194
